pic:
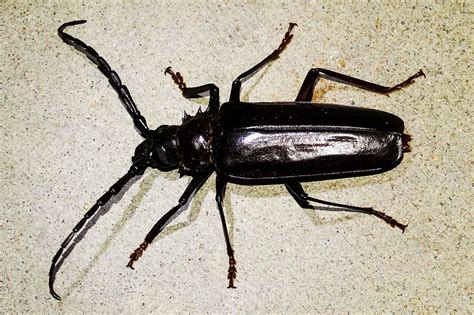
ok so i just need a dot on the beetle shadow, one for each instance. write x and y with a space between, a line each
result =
256 78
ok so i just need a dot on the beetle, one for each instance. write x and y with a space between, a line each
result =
256 144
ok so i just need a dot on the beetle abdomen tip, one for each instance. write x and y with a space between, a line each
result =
406 138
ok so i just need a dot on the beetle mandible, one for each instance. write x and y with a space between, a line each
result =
256 143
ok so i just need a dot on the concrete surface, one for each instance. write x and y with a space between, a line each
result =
66 138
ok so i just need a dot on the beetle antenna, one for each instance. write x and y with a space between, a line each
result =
136 169
114 79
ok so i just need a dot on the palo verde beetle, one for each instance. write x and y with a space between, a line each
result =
256 143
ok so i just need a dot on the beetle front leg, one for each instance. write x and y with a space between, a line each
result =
195 184
297 192
306 92
210 90
220 193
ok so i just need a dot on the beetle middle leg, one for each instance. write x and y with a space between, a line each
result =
297 192
306 92
195 184
237 84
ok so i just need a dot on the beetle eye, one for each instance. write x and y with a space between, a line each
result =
140 151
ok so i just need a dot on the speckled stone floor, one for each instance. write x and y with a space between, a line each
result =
66 138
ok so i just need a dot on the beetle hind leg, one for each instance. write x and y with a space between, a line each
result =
297 192
220 193
307 89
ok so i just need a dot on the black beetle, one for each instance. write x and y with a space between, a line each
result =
257 143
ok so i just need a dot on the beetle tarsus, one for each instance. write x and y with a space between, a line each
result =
286 40
407 82
388 219
137 253
232 272
177 78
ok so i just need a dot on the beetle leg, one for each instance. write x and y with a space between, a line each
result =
210 90
195 184
136 169
306 92
114 79
237 84
297 192
220 193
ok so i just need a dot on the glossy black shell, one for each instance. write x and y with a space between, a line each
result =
274 142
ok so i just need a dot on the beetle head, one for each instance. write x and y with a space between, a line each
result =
159 149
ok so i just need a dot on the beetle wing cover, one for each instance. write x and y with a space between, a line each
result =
280 141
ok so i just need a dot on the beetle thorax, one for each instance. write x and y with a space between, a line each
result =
194 144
